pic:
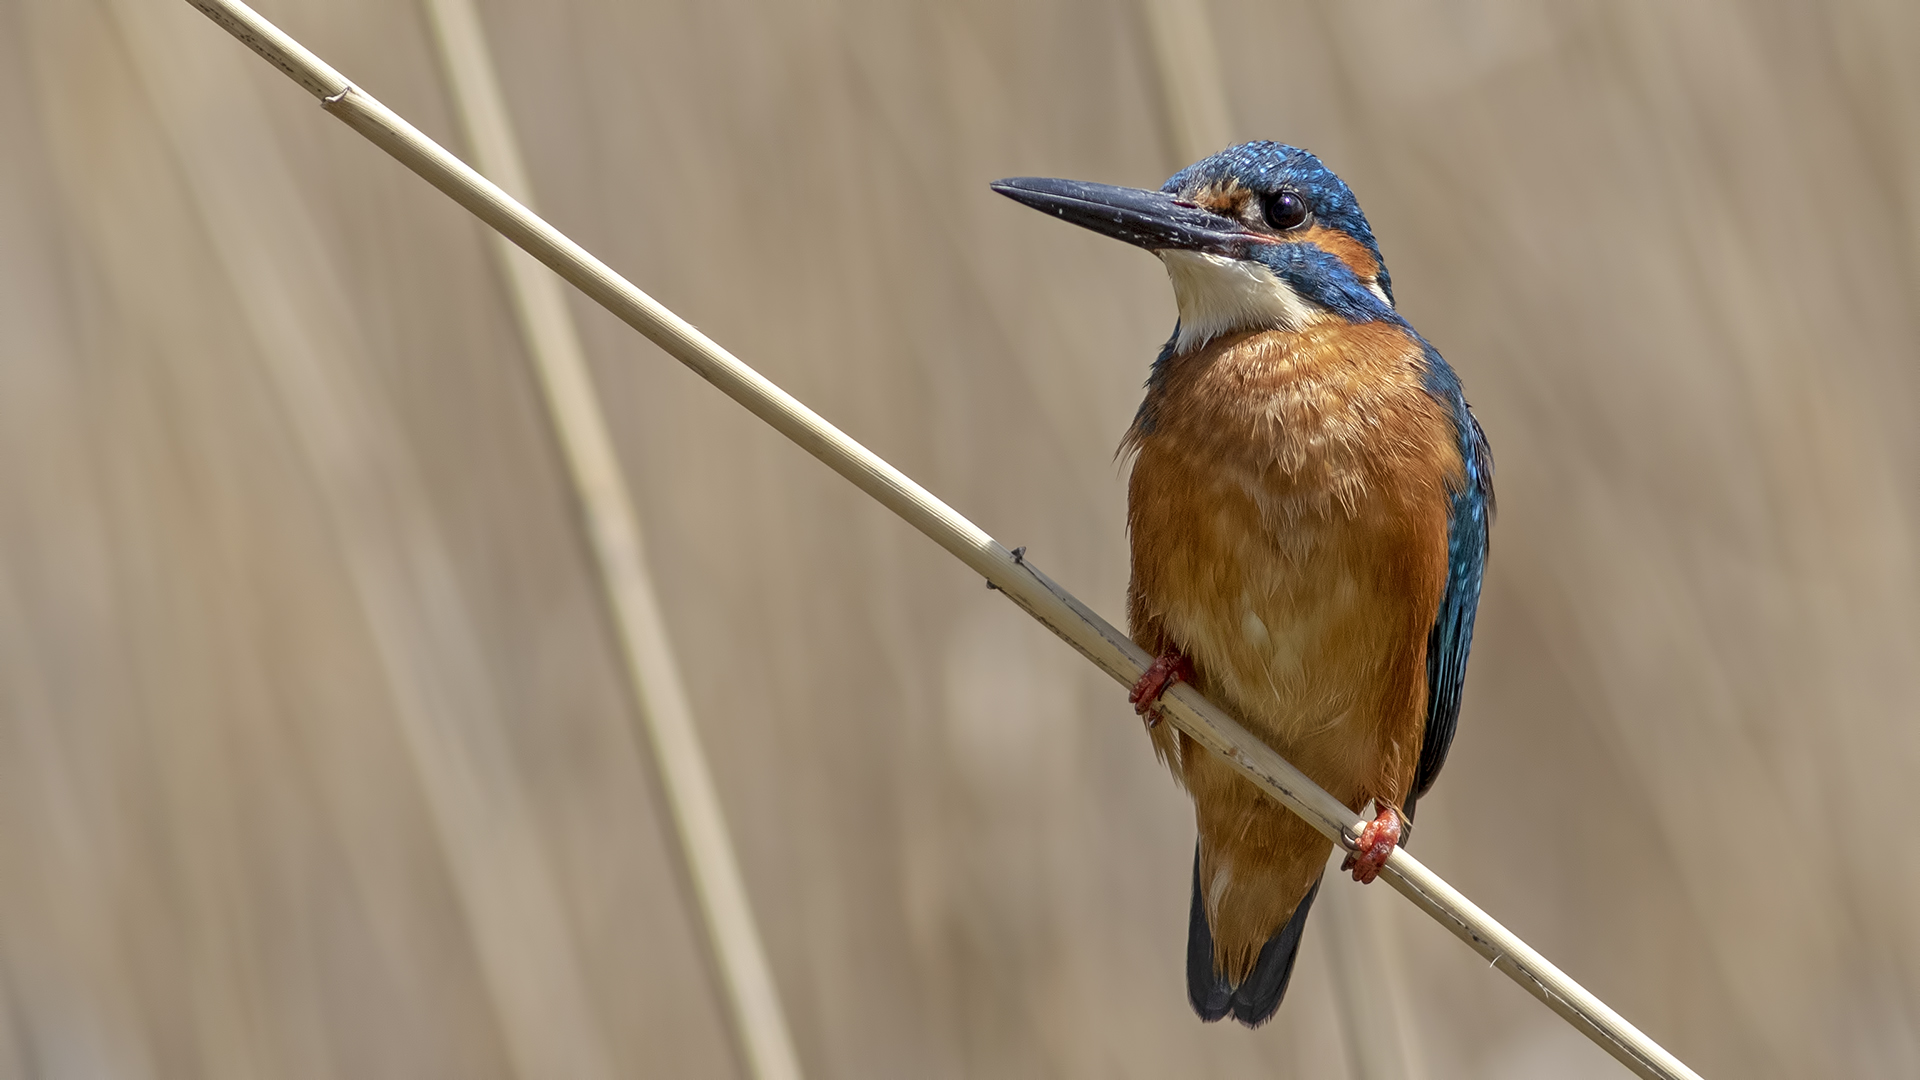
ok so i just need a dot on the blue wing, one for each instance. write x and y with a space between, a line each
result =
1452 634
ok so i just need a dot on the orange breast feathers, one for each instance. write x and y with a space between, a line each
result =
1288 513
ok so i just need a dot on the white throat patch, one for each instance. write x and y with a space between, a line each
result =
1218 295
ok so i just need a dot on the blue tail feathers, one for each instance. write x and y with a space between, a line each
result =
1253 1001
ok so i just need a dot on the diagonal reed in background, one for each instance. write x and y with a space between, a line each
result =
1024 584
613 529
398 564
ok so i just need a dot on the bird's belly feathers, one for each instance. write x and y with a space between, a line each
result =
1288 512
1297 630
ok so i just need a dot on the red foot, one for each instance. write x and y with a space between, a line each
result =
1168 668
1377 841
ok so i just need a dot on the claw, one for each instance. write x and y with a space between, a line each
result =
1378 838
1168 668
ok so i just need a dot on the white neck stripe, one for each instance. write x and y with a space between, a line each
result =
1218 295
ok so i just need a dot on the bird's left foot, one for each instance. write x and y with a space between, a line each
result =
1377 841
1171 666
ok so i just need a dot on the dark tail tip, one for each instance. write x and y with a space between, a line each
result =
1257 998
1208 991
1254 1001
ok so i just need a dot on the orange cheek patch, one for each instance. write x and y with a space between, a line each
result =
1346 249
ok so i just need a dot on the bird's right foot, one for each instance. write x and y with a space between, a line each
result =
1376 844
1171 666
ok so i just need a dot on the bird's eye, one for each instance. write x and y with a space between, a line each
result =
1286 210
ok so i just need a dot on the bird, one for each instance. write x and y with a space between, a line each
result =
1308 515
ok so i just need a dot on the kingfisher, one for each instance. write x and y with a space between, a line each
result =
1307 514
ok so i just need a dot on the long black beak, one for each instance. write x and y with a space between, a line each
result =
1148 219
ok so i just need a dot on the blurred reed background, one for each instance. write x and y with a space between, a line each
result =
1673 250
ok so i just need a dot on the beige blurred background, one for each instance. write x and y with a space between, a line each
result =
275 482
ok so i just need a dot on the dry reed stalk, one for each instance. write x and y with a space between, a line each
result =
1194 95
283 286
1022 582
613 531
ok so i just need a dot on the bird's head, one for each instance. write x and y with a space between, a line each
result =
1260 236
